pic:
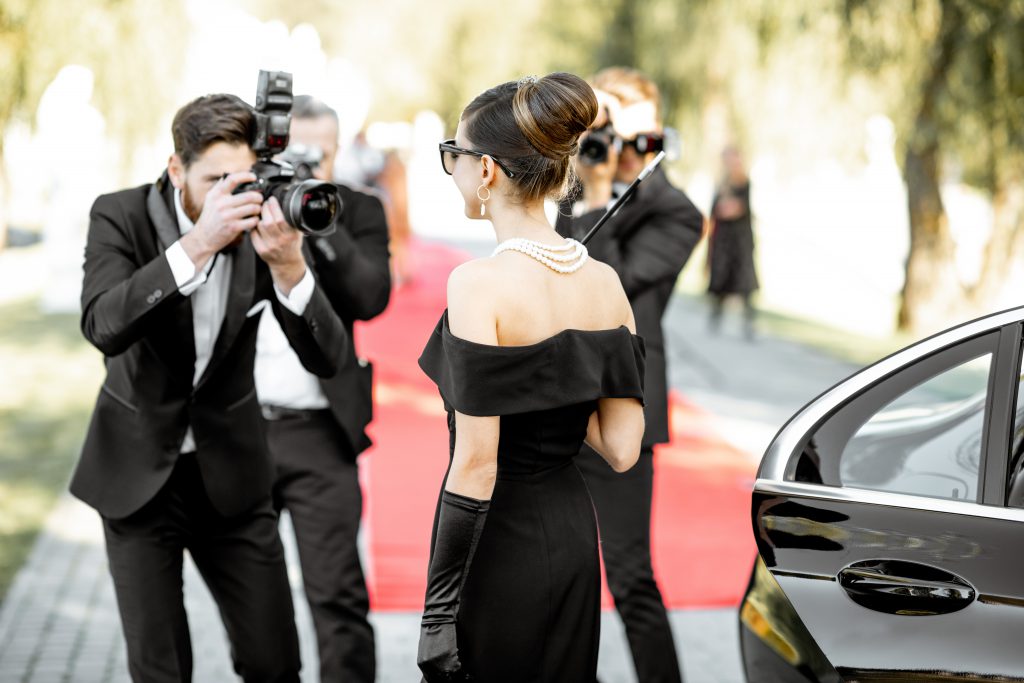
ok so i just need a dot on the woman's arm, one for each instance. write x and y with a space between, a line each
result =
471 316
616 430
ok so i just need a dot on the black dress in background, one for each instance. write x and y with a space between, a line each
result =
731 249
530 608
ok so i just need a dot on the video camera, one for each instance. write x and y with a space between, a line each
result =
311 206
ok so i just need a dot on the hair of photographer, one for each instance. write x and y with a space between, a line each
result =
209 119
628 86
315 124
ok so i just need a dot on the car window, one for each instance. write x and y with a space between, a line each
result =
917 432
926 442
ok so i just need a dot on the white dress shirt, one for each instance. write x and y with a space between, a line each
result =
208 288
280 378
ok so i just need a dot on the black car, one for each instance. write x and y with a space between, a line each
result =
889 519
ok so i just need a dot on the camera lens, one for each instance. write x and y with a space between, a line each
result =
593 150
312 206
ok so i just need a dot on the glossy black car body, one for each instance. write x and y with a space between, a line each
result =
889 518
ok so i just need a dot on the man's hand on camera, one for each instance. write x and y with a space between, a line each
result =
224 218
280 245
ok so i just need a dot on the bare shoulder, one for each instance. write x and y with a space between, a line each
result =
611 286
471 302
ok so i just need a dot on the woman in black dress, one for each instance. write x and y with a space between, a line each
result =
535 354
731 243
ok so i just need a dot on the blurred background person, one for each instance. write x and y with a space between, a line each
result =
730 259
315 426
647 242
392 183
383 170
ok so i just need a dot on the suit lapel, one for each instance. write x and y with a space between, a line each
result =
240 292
159 208
158 205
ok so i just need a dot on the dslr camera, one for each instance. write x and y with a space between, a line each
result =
310 206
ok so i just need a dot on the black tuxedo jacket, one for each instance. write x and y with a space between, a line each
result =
133 313
352 267
647 242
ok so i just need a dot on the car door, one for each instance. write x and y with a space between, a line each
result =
881 509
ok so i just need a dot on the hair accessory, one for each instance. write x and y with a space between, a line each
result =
483 200
526 80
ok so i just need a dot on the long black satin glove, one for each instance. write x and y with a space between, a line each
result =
460 521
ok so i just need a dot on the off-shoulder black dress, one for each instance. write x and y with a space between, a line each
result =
530 608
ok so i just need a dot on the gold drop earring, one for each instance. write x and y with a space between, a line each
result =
483 200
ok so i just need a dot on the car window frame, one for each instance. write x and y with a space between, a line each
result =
857 409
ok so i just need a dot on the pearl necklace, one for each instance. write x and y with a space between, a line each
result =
565 258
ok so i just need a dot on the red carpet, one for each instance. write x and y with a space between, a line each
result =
703 548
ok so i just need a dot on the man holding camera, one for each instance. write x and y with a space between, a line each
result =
315 426
648 241
175 457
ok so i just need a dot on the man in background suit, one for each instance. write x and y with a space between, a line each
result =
316 427
647 242
176 457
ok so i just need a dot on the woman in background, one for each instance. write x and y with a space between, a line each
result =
731 243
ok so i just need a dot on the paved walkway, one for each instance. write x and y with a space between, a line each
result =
59 620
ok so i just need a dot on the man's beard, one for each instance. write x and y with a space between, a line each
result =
188 203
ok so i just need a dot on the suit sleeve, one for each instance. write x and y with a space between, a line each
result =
656 251
352 264
119 296
317 335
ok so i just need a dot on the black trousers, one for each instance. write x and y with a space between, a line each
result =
318 482
240 558
623 504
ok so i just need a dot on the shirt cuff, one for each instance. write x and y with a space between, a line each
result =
300 295
184 271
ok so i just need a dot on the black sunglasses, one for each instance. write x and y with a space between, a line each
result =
450 152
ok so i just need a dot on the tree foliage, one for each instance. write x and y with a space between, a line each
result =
131 46
794 79
954 70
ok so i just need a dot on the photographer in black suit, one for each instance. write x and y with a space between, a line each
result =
315 426
648 241
175 457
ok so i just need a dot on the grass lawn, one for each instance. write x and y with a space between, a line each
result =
47 387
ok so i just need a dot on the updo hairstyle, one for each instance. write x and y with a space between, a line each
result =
533 127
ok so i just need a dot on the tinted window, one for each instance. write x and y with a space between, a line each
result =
917 432
926 442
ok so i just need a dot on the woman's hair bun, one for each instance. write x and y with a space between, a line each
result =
552 112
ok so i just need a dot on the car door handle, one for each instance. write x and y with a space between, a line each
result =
905 588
